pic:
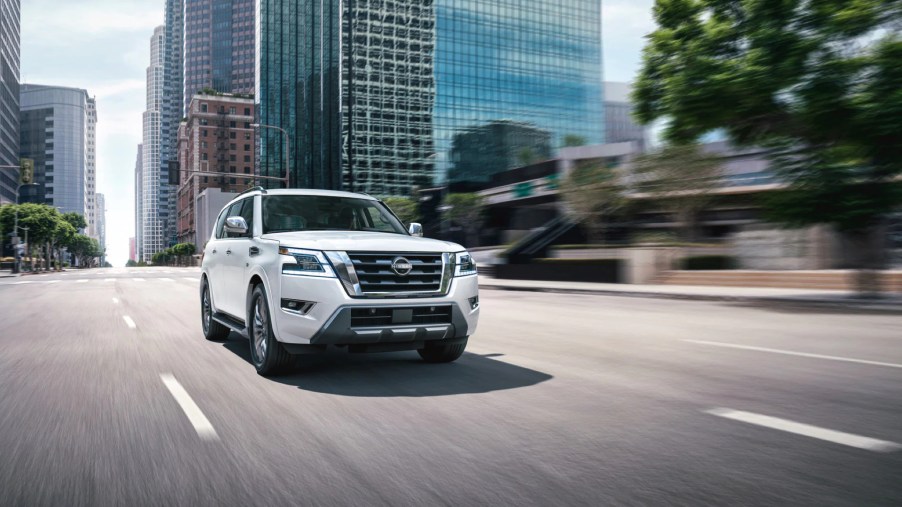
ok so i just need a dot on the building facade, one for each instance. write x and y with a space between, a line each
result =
139 200
373 92
91 169
10 48
153 203
478 152
216 150
219 47
100 220
620 126
171 112
54 124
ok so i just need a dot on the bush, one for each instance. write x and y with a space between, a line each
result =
708 262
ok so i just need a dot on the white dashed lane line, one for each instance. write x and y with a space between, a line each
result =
83 280
200 422
138 279
167 279
129 322
794 353
115 301
837 437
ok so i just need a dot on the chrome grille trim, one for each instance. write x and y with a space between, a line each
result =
361 274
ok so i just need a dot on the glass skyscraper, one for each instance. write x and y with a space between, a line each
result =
9 98
381 95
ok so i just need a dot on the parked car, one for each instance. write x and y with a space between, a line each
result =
297 271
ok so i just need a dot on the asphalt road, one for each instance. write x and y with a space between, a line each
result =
109 395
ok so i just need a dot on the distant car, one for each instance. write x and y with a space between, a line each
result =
297 271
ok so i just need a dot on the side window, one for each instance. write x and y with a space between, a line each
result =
247 212
220 222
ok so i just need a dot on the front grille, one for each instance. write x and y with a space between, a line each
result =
388 316
375 274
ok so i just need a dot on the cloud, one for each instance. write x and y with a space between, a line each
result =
625 23
72 20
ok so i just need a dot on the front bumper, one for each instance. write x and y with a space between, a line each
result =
331 321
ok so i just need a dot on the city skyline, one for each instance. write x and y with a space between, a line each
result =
102 46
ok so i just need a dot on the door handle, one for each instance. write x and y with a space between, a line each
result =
229 251
254 251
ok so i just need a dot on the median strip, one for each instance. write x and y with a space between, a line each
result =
793 353
797 428
197 418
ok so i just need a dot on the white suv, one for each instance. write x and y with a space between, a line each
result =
299 270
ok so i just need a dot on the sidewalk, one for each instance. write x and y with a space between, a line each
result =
891 303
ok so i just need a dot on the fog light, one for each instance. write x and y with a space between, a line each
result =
295 306
474 302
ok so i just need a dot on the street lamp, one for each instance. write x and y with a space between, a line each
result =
284 133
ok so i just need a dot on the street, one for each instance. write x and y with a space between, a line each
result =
109 395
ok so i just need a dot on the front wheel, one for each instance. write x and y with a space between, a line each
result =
213 331
267 354
443 352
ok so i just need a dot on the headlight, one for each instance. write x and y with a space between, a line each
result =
464 264
296 261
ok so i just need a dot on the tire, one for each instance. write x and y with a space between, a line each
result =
443 353
213 331
267 354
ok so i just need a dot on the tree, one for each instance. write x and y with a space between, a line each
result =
681 179
594 193
181 250
405 207
130 263
40 219
818 82
571 140
467 210
75 219
85 248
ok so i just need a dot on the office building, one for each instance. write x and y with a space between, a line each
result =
139 199
216 150
171 112
422 73
91 169
620 126
132 249
153 204
478 152
219 47
54 122
100 220
9 98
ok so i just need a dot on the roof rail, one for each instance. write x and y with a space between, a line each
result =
253 189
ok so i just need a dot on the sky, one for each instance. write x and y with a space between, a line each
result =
103 47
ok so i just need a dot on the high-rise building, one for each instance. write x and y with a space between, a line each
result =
132 249
100 220
216 150
171 113
91 169
373 92
620 126
139 201
54 124
9 98
219 47
153 203
479 152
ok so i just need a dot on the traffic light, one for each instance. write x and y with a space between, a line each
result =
26 171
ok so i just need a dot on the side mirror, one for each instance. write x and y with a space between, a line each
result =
236 225
415 229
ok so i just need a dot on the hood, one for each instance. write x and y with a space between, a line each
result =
360 241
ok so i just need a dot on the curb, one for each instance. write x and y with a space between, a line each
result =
894 308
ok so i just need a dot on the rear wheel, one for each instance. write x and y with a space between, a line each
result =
267 354
443 352
213 331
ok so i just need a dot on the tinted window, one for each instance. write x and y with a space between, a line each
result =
282 213
247 212
220 221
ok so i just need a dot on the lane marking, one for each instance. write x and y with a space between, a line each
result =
116 301
200 422
167 279
52 281
109 280
138 279
807 430
20 283
793 353
83 280
129 322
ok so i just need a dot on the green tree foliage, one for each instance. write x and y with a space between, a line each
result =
85 248
466 210
819 82
75 219
405 207
680 179
571 140
594 193
130 263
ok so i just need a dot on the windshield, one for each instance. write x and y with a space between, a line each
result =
286 213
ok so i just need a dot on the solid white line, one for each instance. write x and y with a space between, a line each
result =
52 281
837 437
200 422
128 321
116 301
792 353
83 280
167 279
138 279
20 283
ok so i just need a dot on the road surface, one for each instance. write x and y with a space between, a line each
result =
109 395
